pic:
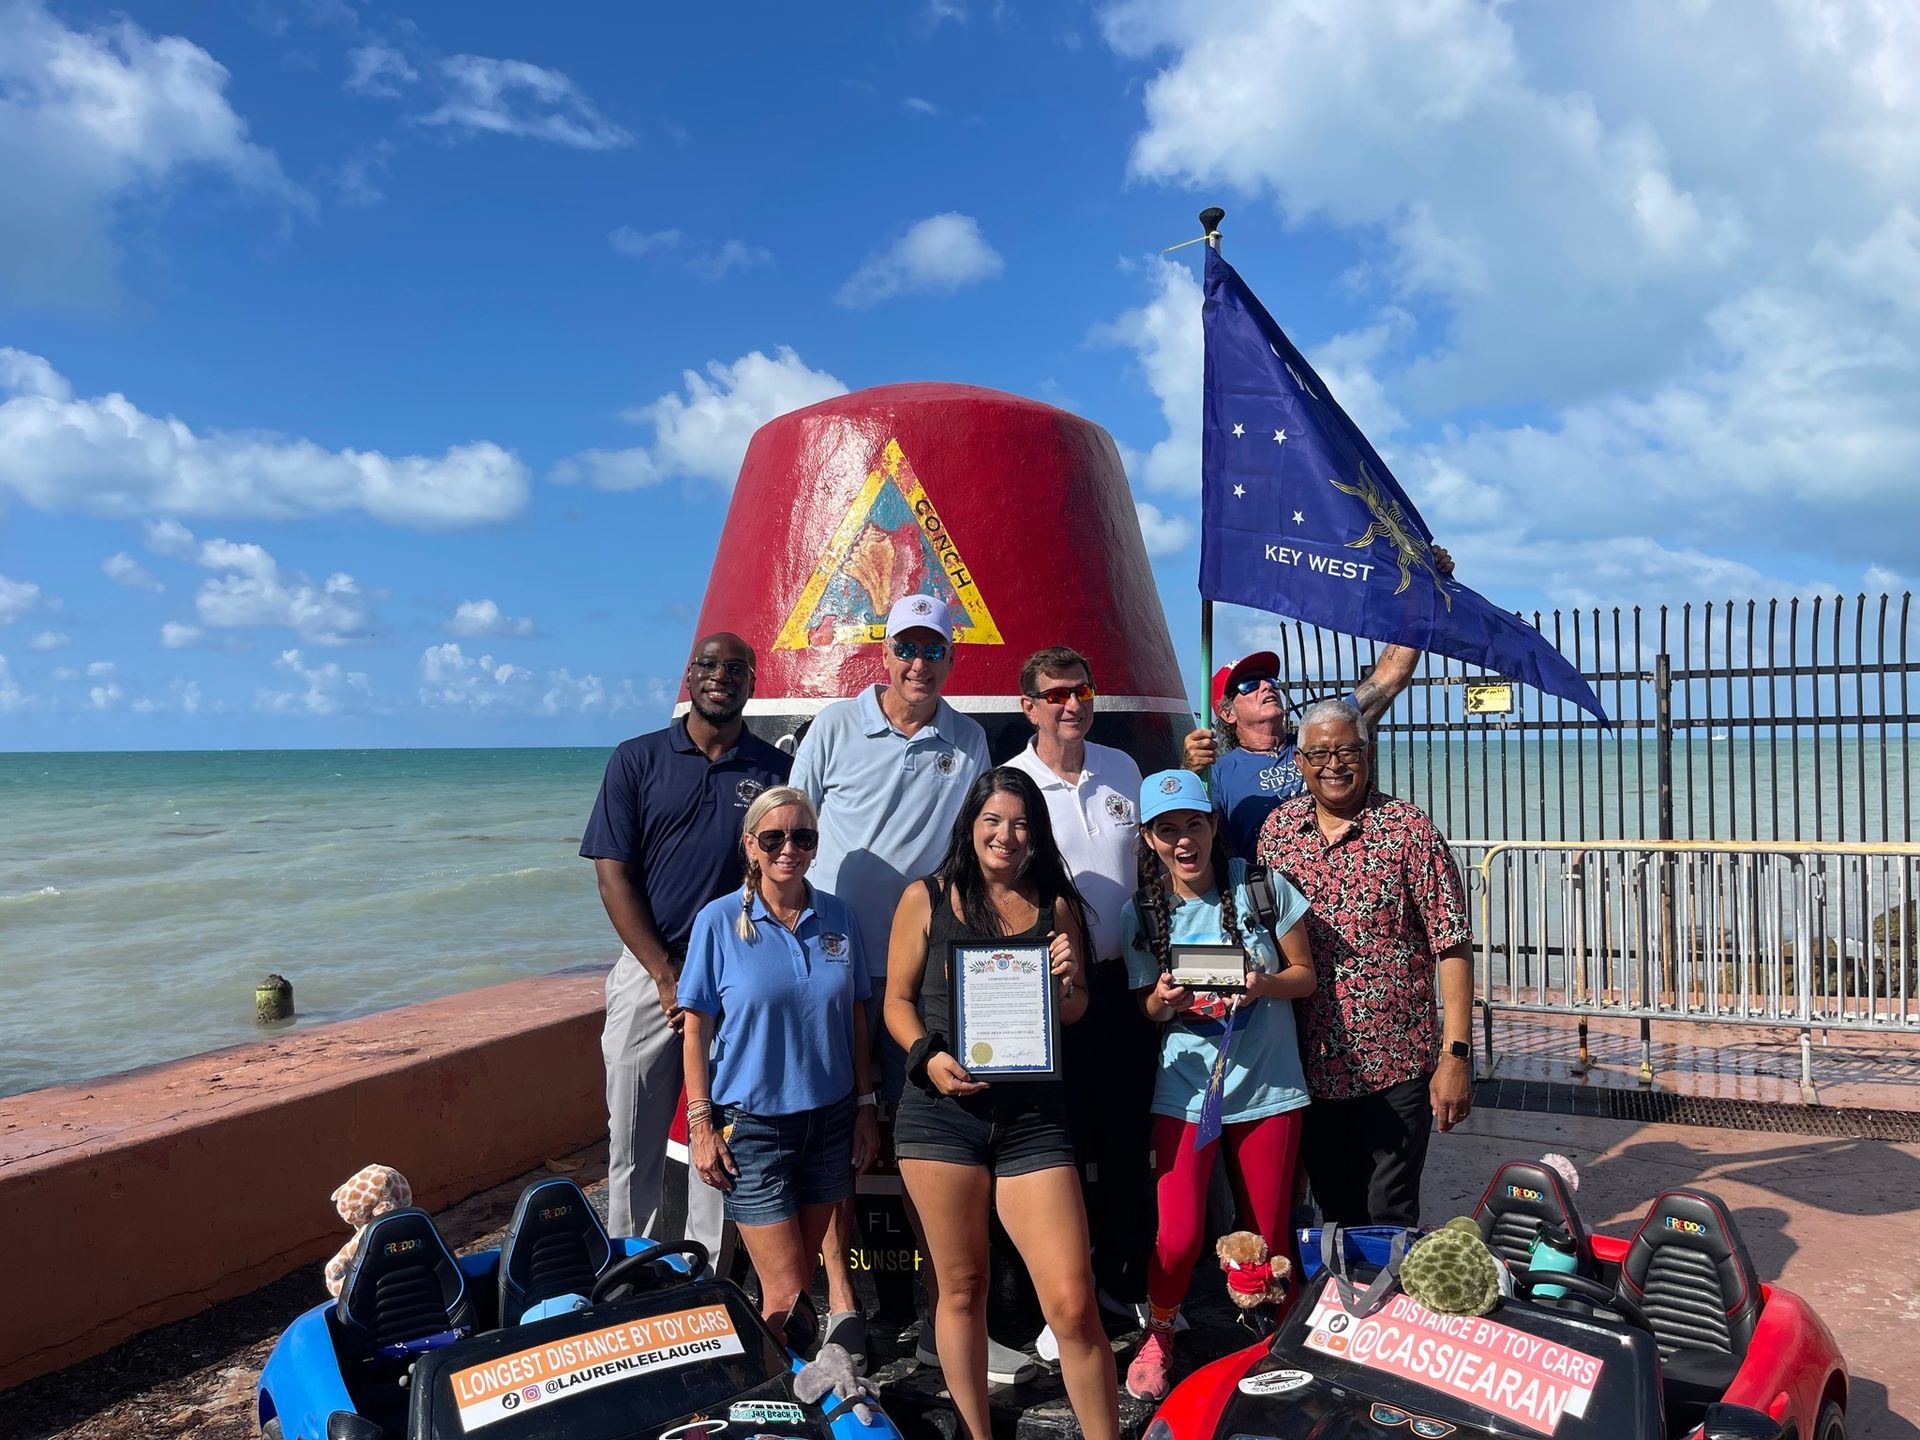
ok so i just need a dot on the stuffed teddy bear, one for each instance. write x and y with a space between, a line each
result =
371 1193
831 1372
1451 1271
1254 1276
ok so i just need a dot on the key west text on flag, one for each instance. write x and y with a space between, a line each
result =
1301 517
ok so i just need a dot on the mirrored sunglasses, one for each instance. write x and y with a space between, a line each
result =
934 650
1421 1425
1247 684
1060 694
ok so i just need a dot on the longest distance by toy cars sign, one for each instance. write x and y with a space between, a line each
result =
1531 1381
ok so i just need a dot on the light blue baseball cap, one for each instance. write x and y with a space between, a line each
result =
1166 790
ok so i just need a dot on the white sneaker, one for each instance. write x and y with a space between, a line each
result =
1047 1346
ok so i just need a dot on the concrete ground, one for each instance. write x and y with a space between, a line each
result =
1832 1219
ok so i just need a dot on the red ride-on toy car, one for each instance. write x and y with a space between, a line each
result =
1667 1334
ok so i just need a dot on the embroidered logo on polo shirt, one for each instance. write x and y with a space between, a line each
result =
745 791
833 944
946 762
1120 808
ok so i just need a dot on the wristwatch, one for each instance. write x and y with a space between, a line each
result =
867 1099
1460 1049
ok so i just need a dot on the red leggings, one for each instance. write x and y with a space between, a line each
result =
1260 1159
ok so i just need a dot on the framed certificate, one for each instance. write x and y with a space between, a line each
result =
1218 969
1004 1022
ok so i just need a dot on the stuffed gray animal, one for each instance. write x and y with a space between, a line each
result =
831 1372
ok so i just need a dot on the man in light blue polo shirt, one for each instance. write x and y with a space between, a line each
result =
888 771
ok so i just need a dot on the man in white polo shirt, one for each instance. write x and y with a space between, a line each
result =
1111 1054
888 771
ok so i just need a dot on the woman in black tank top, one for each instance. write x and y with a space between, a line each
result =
964 1144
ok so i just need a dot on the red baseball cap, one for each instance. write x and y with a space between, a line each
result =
1260 662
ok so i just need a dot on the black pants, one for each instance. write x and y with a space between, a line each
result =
1365 1156
1112 1058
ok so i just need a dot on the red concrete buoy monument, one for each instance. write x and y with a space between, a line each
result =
1016 513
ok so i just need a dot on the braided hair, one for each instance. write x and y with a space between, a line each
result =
764 804
1155 888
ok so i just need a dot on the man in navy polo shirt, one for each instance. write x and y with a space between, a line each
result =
664 840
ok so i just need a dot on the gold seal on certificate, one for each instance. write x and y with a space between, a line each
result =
1218 969
1005 1025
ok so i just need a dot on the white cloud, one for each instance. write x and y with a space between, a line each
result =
629 241
325 689
1642 284
50 640
914 105
184 696
176 636
450 679
378 70
13 698
17 597
703 434
732 255
170 537
91 120
477 618
1163 534
1165 337
104 456
511 97
64 673
100 670
123 569
104 697
937 256
256 592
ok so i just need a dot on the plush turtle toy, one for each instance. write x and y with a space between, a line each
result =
1451 1271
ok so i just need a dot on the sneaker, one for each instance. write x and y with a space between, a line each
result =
848 1330
1147 1375
1047 1347
1005 1366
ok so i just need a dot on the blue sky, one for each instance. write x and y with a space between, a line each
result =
333 337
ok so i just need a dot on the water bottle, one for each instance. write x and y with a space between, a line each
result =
1553 1249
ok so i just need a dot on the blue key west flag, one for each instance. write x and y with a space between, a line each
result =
1301 517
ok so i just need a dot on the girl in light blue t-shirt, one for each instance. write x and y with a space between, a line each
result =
1194 893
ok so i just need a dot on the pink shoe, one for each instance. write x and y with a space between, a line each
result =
1147 1375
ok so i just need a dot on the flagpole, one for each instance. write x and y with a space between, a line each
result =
1210 219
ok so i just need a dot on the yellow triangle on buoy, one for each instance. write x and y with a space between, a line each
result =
892 542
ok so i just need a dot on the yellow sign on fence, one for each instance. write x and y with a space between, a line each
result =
1489 699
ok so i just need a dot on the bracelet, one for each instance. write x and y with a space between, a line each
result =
867 1099
699 1112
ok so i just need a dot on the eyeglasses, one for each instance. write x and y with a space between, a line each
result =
803 839
1425 1428
1346 754
1060 694
934 650
1247 684
732 669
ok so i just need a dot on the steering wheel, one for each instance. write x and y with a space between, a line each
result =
637 1271
1525 1282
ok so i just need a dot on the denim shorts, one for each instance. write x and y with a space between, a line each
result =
786 1161
1013 1128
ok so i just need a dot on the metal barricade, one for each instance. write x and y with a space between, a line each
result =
1806 936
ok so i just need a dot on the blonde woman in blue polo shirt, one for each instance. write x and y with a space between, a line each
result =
778 1099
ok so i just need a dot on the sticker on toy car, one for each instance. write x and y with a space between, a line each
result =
1529 1380
766 1412
1275 1382
542 1374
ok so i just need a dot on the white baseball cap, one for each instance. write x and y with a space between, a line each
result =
919 612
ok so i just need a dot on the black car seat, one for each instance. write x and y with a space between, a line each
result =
556 1245
1521 1194
1689 1270
403 1285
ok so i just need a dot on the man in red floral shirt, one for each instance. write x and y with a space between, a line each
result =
1388 929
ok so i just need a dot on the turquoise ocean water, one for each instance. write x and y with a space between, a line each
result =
143 895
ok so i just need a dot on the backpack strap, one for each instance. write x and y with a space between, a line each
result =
1152 927
1266 909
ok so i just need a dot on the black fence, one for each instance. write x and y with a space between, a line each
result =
1733 720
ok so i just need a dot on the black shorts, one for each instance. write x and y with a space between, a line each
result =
1014 1128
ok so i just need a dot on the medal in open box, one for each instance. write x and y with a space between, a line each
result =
1215 969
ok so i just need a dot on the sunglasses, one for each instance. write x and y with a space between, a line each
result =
1346 754
1247 684
933 650
1060 694
1420 1425
803 839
